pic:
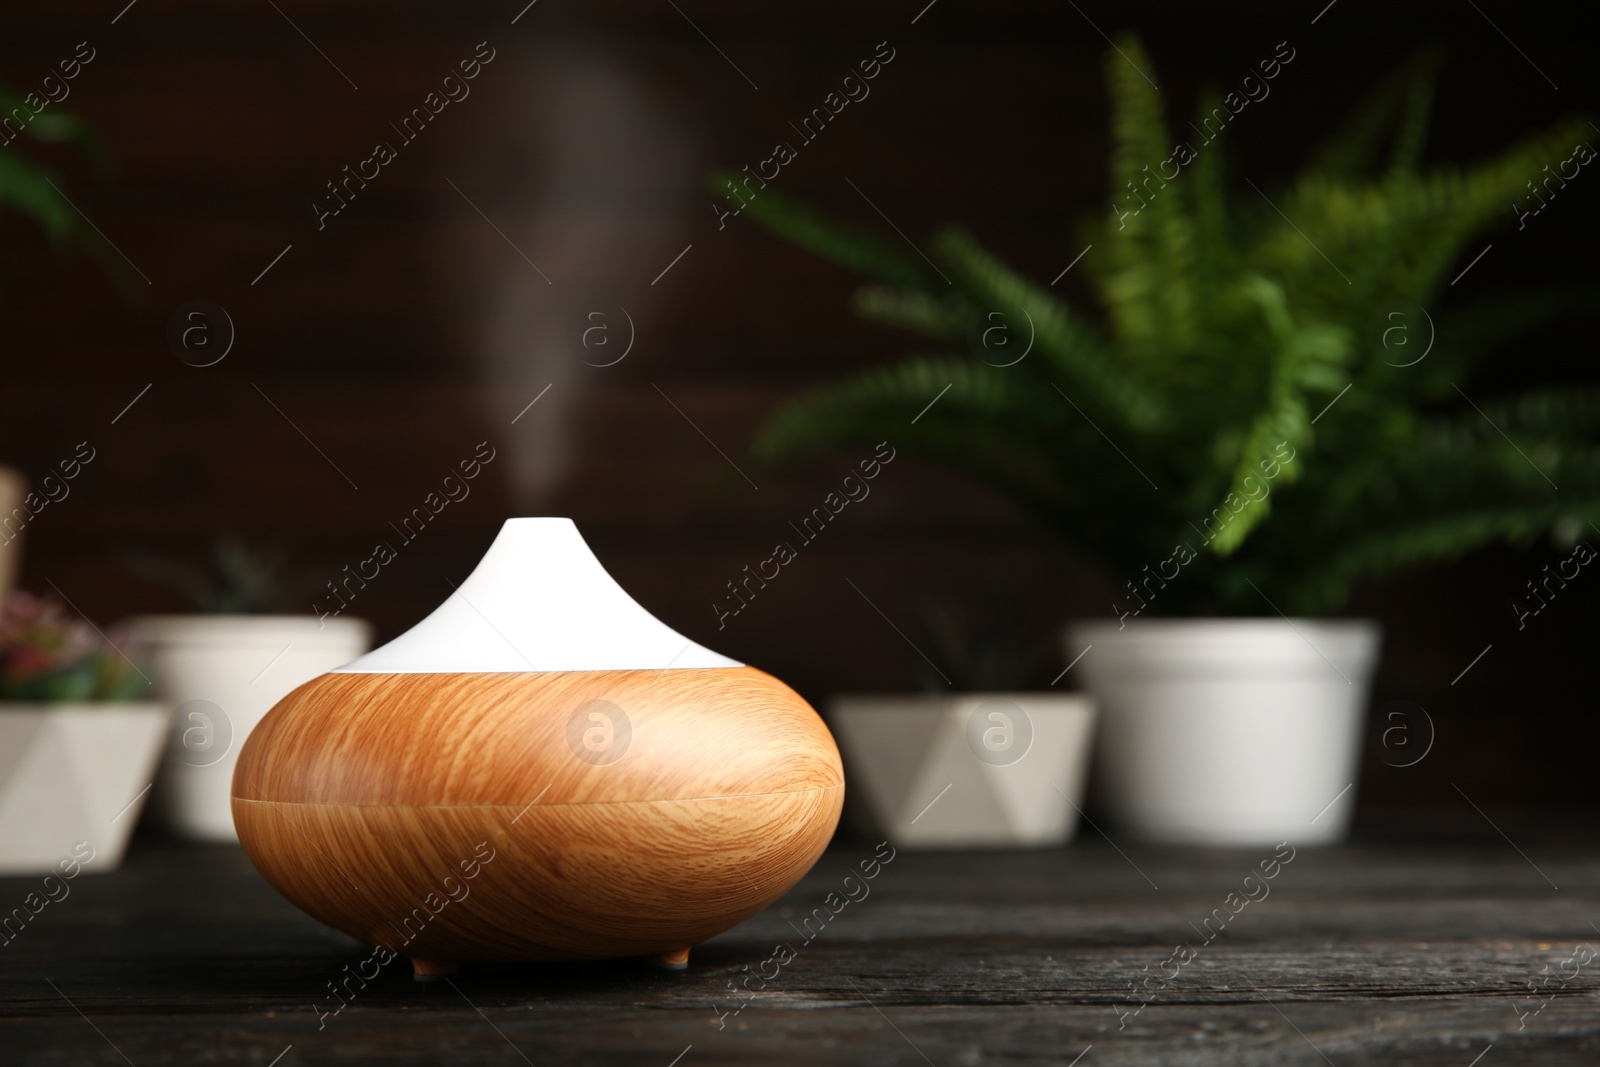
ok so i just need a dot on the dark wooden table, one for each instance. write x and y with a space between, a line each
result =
1392 950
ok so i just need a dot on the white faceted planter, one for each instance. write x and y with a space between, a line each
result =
977 770
71 773
223 673
1229 732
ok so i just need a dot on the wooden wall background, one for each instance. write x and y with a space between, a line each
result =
409 330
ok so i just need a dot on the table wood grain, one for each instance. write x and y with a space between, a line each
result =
1398 950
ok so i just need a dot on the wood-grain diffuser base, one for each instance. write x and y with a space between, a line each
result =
540 770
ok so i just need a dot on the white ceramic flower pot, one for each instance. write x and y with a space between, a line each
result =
223 673
1230 732
977 770
73 773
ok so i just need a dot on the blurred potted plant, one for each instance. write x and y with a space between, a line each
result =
77 748
1261 414
974 761
225 668
78 745
26 187
32 189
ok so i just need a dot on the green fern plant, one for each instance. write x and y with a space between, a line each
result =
1184 437
32 189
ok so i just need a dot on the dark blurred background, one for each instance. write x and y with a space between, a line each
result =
457 285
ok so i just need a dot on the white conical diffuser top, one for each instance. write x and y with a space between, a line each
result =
539 600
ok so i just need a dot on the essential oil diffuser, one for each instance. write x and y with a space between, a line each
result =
539 770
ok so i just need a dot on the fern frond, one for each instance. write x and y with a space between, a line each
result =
1213 231
54 126
868 402
25 187
1540 415
1150 286
31 189
985 423
913 311
1463 337
1441 540
1074 349
849 247
1354 151
1309 357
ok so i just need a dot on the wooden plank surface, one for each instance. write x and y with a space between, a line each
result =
1392 951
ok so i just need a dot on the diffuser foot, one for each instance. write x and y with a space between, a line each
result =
432 970
675 960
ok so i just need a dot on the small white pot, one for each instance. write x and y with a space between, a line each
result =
977 770
224 673
72 773
1230 732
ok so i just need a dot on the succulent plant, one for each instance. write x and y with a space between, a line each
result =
48 656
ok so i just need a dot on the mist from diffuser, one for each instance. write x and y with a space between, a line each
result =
539 600
538 770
